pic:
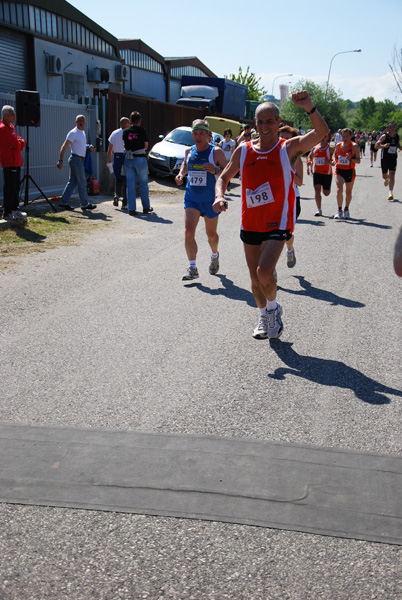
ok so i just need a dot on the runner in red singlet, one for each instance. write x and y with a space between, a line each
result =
268 201
347 156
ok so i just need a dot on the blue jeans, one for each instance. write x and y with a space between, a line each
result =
137 167
78 180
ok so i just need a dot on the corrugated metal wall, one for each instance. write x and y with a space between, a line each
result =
57 118
13 60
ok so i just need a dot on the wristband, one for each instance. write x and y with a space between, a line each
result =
60 160
312 110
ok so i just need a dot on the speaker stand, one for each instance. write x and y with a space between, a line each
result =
27 178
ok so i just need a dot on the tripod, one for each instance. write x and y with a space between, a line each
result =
27 178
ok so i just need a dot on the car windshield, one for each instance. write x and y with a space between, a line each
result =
180 136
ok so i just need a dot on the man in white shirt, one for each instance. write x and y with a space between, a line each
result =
115 156
77 139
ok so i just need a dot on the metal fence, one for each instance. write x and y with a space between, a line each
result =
56 119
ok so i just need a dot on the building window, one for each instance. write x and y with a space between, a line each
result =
73 84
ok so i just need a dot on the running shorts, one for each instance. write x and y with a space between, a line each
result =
348 174
205 208
255 238
388 164
323 180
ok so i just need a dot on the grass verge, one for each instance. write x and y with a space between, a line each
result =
44 230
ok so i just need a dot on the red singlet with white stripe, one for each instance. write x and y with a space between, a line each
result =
268 196
319 157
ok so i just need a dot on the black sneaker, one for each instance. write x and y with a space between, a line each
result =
132 213
65 207
148 210
89 207
116 201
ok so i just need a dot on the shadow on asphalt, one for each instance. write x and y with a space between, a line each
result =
331 373
229 290
319 294
90 215
352 221
152 217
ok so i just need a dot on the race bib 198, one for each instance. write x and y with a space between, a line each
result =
260 196
198 178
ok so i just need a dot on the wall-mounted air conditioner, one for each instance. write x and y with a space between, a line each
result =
54 65
121 73
98 75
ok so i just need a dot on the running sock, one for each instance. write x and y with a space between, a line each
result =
271 304
289 251
193 264
263 311
214 255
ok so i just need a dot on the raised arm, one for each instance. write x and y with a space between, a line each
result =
302 144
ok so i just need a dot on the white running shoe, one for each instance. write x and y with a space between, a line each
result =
191 273
214 265
275 325
261 331
291 258
346 214
338 215
391 197
18 214
318 212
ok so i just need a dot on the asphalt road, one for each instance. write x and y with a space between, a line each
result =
106 335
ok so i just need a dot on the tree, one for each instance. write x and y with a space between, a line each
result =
331 107
396 67
255 92
374 115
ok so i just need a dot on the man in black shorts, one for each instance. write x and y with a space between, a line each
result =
373 150
321 160
389 144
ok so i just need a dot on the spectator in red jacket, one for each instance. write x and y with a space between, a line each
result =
11 145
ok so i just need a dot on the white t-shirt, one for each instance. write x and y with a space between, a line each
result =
78 141
116 138
227 148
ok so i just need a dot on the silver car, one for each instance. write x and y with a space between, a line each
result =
165 157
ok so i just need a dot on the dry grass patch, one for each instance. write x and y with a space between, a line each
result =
44 230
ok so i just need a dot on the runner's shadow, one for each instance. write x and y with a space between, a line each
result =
364 222
331 373
317 222
318 294
154 218
229 290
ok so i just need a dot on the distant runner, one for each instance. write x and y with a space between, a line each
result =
347 155
389 145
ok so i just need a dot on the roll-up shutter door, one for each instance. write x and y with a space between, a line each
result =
13 61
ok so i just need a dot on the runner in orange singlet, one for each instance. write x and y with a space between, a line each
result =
321 158
347 155
268 201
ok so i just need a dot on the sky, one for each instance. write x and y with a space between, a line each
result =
275 39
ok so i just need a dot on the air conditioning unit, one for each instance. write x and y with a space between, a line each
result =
94 74
98 75
54 65
121 73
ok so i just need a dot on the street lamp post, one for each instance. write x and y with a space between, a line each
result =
330 65
277 77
